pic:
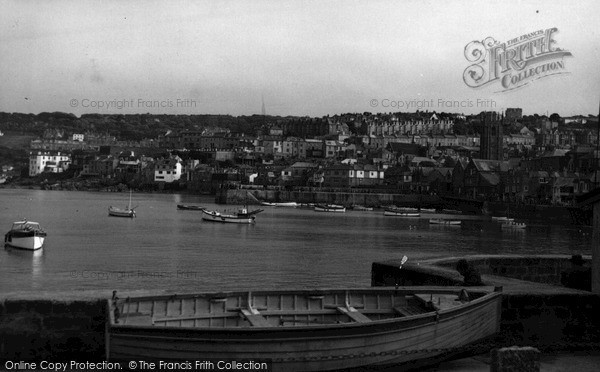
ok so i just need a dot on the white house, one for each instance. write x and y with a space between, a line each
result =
78 137
47 161
168 170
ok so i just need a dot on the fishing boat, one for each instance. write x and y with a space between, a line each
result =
305 330
441 221
280 204
122 212
502 219
188 207
399 212
330 208
25 235
242 216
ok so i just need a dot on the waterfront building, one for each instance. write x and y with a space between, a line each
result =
47 161
366 175
298 173
482 178
168 170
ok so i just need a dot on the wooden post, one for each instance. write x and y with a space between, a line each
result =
596 249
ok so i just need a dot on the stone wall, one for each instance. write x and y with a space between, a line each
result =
360 197
540 269
34 330
535 312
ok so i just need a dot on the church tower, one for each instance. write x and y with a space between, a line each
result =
491 141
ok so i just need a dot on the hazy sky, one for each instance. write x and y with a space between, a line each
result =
304 57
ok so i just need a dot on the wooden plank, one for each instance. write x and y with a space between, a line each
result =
139 319
198 316
354 314
255 318
409 310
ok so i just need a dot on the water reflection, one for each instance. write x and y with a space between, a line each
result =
36 257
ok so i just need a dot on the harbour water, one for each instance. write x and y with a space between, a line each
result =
169 249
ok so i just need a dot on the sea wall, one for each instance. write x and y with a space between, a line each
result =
343 197
540 269
55 326
52 330
535 312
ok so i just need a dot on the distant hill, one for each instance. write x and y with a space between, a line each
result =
128 127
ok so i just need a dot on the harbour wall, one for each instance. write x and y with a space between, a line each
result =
36 329
359 197
536 310
372 198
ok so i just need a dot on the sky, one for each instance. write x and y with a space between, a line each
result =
301 58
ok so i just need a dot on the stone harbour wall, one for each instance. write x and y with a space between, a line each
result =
535 310
541 269
34 330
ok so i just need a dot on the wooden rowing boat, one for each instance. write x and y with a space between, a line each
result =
308 330
441 221
399 212
330 208
188 207
242 216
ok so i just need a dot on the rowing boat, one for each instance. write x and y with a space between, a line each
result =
308 330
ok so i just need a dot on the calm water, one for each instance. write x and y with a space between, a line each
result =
165 248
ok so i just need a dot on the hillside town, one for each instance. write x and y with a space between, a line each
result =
491 156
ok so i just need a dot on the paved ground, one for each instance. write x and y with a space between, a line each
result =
576 362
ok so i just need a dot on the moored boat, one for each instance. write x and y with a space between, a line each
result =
128 211
441 221
502 219
118 212
280 204
330 208
25 235
399 212
308 330
188 207
242 216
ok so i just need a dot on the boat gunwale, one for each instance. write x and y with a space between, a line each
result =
320 291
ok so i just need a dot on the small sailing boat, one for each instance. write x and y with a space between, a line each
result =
123 212
242 216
